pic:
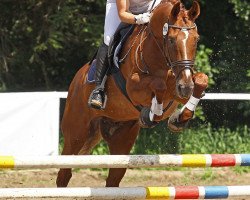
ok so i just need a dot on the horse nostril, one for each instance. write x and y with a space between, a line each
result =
185 90
180 87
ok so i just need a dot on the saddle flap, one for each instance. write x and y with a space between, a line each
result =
91 72
117 41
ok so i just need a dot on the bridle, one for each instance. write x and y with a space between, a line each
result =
185 64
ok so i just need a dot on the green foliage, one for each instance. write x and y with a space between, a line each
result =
199 114
156 140
208 175
241 170
241 8
61 143
101 149
209 140
43 43
202 140
203 65
248 75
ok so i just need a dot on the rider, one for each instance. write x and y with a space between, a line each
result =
127 11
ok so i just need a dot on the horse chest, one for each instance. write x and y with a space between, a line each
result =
141 88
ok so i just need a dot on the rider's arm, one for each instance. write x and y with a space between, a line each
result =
127 17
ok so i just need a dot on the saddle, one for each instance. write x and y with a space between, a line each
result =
116 43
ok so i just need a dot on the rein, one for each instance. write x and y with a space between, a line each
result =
140 50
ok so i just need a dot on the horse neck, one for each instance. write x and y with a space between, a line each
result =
153 53
160 16
145 45
153 46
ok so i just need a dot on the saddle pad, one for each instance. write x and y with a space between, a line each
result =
91 73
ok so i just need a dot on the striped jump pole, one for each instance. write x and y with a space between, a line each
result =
126 161
182 192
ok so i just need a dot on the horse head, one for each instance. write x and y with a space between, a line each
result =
176 34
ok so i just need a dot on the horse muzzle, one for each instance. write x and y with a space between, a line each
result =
185 90
184 78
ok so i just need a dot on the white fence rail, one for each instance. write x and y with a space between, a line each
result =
132 193
226 96
208 96
125 161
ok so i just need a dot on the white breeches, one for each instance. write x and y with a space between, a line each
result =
112 21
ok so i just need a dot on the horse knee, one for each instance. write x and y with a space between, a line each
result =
63 177
200 84
201 80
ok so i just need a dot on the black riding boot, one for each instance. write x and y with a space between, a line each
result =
97 97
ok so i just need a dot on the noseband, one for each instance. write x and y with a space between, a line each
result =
185 64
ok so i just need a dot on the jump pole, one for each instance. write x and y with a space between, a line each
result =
125 161
182 192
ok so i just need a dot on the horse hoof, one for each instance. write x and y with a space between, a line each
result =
144 120
174 124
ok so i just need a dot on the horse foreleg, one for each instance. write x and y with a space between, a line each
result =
180 119
149 116
120 143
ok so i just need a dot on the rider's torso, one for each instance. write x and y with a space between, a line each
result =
137 6
140 6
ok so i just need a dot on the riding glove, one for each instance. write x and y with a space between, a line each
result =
142 18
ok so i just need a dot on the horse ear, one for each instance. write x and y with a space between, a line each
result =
175 10
194 11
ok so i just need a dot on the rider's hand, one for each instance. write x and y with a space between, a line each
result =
142 18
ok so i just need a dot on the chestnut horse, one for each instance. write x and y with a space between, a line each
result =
159 76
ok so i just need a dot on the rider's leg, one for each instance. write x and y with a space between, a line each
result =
97 98
112 21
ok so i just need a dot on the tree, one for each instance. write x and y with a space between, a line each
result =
43 43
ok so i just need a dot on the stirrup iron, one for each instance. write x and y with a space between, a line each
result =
104 95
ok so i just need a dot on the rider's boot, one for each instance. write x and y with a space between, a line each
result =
97 97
